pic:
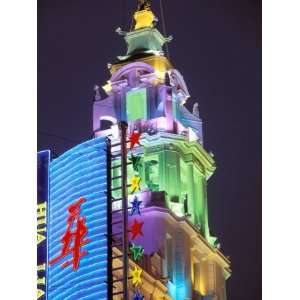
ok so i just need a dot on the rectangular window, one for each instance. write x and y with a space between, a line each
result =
136 105
156 265
211 276
197 276
151 173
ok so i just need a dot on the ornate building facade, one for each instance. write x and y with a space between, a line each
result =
181 260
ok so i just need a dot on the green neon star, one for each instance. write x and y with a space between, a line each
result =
137 252
136 162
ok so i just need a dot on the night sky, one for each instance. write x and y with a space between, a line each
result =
217 48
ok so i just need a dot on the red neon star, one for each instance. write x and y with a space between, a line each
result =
134 139
136 229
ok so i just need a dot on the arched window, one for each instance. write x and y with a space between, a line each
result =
106 122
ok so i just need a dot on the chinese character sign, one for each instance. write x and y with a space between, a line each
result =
76 237
77 225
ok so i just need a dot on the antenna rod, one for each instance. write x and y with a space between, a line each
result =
123 127
164 26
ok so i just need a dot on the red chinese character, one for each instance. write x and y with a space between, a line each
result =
77 237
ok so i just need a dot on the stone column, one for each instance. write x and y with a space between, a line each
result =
201 216
182 266
191 191
205 211
162 169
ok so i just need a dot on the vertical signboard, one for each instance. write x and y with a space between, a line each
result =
43 160
78 250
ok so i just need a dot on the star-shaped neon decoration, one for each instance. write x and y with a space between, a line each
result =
138 296
135 184
136 162
134 139
137 252
135 209
136 229
136 276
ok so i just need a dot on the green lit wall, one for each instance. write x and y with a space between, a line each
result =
180 171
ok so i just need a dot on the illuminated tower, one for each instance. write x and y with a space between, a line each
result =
146 91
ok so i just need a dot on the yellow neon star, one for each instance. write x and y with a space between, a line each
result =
135 184
136 276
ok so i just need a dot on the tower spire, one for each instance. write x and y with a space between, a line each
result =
144 17
144 39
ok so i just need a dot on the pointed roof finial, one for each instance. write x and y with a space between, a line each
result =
144 5
196 112
97 93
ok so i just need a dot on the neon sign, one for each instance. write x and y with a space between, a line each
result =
77 237
72 233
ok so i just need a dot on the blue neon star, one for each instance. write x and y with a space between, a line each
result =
138 296
135 209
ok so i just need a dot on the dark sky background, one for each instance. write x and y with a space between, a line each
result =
217 48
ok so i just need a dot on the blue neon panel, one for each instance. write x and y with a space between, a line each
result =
79 172
43 160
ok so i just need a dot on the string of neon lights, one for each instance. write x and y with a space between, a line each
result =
137 251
